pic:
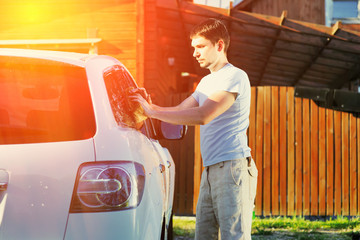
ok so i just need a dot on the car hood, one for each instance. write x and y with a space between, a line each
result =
36 203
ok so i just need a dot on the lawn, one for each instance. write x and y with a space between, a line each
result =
285 228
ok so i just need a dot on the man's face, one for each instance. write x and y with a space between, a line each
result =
205 52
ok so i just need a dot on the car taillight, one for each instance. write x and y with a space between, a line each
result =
108 186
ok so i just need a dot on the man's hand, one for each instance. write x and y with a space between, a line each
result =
142 92
143 98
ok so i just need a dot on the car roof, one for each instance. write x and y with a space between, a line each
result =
72 58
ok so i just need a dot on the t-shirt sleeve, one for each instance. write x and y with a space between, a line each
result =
234 82
196 96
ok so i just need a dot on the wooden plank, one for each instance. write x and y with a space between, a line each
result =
169 100
306 157
288 54
308 77
252 128
330 53
358 162
275 151
320 74
288 62
298 158
197 167
298 47
181 167
291 152
330 162
283 151
345 162
347 46
259 149
140 48
322 68
337 162
252 122
187 157
322 162
314 151
276 71
353 167
267 152
283 68
300 37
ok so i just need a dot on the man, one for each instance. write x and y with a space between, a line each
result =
221 105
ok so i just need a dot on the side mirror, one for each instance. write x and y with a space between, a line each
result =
172 132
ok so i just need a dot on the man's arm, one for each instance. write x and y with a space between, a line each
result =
189 102
188 112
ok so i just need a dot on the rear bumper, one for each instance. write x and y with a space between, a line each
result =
143 222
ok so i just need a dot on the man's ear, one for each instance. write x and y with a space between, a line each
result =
221 45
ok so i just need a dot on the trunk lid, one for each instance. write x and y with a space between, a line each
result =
36 203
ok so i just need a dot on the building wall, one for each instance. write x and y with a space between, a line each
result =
166 48
115 22
303 10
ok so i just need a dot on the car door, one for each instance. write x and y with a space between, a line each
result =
129 114
167 166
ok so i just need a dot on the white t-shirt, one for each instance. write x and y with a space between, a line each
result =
224 138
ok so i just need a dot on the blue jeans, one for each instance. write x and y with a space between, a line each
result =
226 200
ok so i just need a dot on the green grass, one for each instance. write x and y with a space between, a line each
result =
298 228
184 226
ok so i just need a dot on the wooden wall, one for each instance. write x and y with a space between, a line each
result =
303 10
114 20
158 78
308 158
165 38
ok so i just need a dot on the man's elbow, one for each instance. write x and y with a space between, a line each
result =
204 120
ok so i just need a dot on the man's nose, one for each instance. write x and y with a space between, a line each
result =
196 53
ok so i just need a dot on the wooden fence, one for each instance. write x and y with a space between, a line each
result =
308 157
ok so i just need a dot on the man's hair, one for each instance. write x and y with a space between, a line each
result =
213 30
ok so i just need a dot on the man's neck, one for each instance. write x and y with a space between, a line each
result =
219 63
218 66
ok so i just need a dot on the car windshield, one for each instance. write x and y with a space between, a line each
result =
43 101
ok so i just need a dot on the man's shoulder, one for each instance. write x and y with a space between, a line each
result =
236 70
234 74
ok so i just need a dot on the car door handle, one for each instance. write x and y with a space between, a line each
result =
162 168
4 179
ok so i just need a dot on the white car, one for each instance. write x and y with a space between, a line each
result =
77 159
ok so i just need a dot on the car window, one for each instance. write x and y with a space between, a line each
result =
118 85
43 101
